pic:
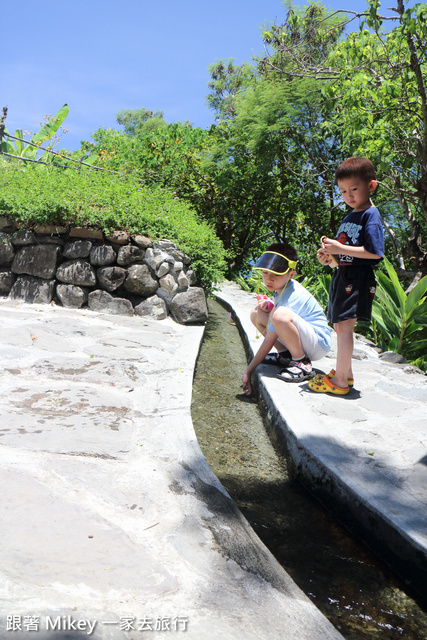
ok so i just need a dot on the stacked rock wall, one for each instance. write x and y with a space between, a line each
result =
78 267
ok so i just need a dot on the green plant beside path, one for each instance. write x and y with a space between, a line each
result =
400 317
37 195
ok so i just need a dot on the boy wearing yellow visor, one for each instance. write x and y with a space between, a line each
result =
293 322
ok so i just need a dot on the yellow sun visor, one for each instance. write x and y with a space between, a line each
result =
275 262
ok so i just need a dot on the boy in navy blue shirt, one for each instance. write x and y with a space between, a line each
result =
358 246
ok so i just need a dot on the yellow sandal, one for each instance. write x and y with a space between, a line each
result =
324 385
319 377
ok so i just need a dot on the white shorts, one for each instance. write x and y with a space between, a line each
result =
309 339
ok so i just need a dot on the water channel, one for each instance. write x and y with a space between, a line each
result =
360 596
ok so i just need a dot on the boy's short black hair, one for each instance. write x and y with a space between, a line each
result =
356 167
284 249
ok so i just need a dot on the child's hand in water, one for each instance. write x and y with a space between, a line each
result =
247 387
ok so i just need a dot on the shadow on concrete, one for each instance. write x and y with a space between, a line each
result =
271 371
370 503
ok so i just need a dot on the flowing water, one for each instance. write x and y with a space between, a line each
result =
359 595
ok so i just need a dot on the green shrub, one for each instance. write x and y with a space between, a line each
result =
400 317
44 195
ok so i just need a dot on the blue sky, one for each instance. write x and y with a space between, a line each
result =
101 56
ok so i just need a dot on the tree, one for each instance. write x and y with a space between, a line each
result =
285 116
261 173
230 186
380 101
135 121
258 164
373 86
227 80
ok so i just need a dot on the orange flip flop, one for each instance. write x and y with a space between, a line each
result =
324 385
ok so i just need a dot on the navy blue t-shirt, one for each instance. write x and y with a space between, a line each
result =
362 229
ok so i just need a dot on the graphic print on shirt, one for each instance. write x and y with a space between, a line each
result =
348 233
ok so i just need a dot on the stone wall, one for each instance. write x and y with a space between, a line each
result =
120 274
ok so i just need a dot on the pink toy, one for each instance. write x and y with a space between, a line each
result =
261 298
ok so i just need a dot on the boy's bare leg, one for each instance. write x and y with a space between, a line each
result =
343 371
260 320
282 319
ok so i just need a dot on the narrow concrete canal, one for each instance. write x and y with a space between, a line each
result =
359 595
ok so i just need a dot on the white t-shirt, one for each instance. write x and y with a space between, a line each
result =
296 298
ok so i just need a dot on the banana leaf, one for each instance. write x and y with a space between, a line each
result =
51 126
7 146
20 146
46 132
47 157
30 152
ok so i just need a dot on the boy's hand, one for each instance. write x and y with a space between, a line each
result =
324 257
331 246
264 303
247 387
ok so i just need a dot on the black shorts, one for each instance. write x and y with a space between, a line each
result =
351 293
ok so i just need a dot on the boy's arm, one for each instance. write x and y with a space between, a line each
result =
333 246
266 346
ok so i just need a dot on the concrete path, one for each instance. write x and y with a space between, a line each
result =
364 454
113 526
